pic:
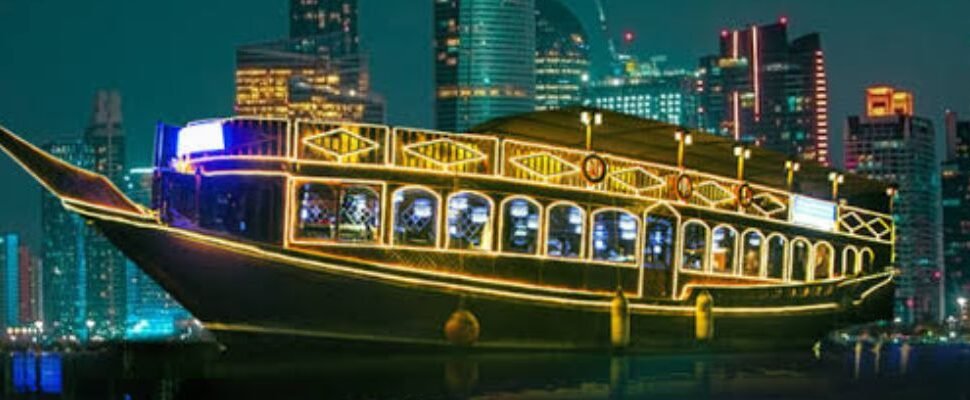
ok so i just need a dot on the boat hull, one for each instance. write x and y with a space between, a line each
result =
243 292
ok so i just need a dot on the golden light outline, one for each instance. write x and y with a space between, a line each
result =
734 264
501 223
340 185
438 214
519 163
477 157
371 145
762 256
490 235
638 190
785 258
637 245
681 243
582 240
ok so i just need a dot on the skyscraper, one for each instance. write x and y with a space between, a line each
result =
310 18
769 90
105 263
10 285
151 312
892 144
956 210
562 56
64 249
649 90
27 285
484 60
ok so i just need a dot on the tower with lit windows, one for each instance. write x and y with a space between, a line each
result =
892 144
310 18
956 210
765 89
485 63
562 56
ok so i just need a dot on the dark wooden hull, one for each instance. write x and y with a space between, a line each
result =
244 291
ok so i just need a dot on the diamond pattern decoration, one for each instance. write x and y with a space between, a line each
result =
713 194
340 143
880 227
445 153
637 180
544 165
768 205
852 222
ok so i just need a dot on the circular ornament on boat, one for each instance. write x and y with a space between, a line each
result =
462 328
684 186
594 168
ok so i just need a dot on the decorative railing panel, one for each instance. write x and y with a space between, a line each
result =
865 223
341 143
446 152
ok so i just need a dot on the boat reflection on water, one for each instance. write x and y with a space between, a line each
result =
888 370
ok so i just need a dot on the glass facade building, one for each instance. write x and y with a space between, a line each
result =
485 60
762 88
10 284
670 99
956 210
901 149
324 17
562 56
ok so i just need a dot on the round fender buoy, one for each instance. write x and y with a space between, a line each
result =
462 328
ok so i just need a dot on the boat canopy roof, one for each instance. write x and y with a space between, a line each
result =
653 141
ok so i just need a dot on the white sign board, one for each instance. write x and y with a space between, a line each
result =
813 213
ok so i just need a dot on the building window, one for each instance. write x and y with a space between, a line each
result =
695 246
824 261
520 226
753 246
661 234
614 236
346 214
564 233
725 240
415 217
776 256
469 222
801 251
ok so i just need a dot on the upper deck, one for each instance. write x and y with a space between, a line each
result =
528 150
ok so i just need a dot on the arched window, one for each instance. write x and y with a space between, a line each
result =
801 252
520 225
360 210
317 217
695 246
777 256
752 250
564 231
469 221
824 261
867 260
660 238
415 217
724 241
615 236
850 261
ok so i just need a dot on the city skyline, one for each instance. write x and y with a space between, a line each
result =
406 82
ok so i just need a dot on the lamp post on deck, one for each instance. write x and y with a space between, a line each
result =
683 139
791 167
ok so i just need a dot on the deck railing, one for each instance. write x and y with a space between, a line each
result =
472 154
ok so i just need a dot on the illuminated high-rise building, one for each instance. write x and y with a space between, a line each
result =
956 210
64 249
769 90
9 279
649 90
28 285
310 18
105 275
562 56
309 77
900 148
485 53
152 313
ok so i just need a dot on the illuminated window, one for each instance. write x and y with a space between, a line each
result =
661 234
753 246
360 210
776 256
824 261
615 236
564 233
850 261
800 254
724 240
415 217
469 222
695 246
520 222
318 212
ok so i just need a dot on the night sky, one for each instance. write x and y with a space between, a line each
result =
173 60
